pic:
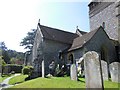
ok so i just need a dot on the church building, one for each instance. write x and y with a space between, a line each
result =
65 48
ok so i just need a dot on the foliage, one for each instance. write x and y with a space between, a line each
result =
28 40
8 54
14 67
15 54
16 61
3 46
2 62
4 52
12 60
16 57
27 70
17 79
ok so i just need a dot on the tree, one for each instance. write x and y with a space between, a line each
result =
4 52
6 56
12 60
3 46
28 41
2 64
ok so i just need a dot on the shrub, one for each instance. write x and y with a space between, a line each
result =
27 70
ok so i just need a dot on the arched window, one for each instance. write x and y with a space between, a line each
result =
71 58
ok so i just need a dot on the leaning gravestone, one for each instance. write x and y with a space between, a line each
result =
43 69
104 70
115 71
93 74
73 72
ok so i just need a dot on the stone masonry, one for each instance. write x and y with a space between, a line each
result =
98 15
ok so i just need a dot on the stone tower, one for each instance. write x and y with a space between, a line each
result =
106 14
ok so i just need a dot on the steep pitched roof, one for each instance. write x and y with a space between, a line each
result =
81 32
57 35
80 41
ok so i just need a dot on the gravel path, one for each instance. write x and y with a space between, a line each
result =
5 83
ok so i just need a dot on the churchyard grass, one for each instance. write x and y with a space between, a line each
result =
58 82
3 77
54 82
109 84
17 79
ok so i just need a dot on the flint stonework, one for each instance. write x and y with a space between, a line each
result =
73 72
104 70
93 75
115 71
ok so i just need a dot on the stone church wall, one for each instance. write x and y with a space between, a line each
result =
51 52
108 16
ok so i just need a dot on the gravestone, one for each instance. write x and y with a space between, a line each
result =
93 73
43 69
115 71
73 72
104 70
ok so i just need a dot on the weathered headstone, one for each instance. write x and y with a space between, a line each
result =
43 69
115 71
73 72
93 73
104 70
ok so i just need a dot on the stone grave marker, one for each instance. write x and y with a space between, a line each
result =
43 69
104 70
115 71
93 72
73 72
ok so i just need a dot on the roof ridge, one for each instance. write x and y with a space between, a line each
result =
58 29
81 31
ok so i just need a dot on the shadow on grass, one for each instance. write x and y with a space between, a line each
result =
81 80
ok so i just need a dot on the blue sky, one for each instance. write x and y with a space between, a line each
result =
20 16
66 15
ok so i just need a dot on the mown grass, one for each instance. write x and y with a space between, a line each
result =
3 77
17 79
59 82
54 82
109 84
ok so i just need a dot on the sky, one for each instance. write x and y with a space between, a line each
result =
17 17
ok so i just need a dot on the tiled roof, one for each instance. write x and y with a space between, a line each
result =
82 32
80 41
57 35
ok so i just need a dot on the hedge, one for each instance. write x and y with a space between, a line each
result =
12 67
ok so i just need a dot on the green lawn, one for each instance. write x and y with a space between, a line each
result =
1 79
109 84
58 82
4 77
18 79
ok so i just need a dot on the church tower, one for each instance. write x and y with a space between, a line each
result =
106 14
